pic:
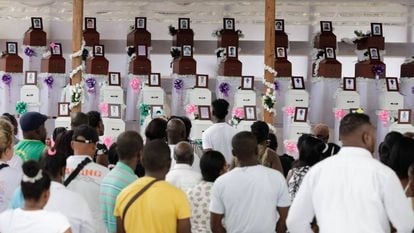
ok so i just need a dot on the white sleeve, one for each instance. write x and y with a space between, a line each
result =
284 198
301 211
206 141
61 222
396 204
88 225
216 203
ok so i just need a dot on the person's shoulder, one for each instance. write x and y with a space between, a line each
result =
169 189
270 172
99 167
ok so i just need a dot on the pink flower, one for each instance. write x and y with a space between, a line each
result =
239 113
384 117
339 114
291 148
103 107
290 111
107 141
52 45
135 84
190 109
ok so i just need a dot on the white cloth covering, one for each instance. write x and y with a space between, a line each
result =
218 137
9 181
183 176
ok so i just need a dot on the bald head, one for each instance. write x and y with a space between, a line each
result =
184 153
356 130
244 146
175 131
321 131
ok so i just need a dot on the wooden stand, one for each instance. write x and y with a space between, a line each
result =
365 69
91 37
140 66
35 37
283 67
53 64
329 68
228 38
407 70
183 37
185 66
230 67
373 41
139 36
11 63
97 65
325 39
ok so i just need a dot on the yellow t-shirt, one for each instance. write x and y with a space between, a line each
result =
156 210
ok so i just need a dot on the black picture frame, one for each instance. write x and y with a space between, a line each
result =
201 81
56 50
98 51
37 23
154 80
141 23
301 114
63 109
30 77
90 23
202 110
183 23
250 113
114 111
281 53
11 48
349 84
298 83
228 24
279 25
392 84
374 54
114 79
232 52
326 26
247 82
376 29
404 116
187 51
330 53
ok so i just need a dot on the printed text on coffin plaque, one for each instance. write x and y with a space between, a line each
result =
299 100
350 101
114 96
154 97
246 100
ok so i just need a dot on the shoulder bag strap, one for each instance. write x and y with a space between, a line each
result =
134 198
77 170
3 165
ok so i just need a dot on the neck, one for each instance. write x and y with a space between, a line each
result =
220 120
262 148
32 205
187 163
174 141
131 164
157 175
250 161
404 182
81 152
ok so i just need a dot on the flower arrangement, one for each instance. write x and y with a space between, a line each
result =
108 141
104 108
269 98
49 81
237 117
384 117
76 95
378 70
90 85
28 51
290 111
172 30
224 89
135 84
339 114
144 111
178 84
359 35
21 107
7 79
175 52
191 111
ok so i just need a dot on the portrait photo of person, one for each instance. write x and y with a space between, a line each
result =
250 113
392 84
204 113
301 114
298 83
140 23
157 111
31 78
330 53
280 52
142 50
326 26
63 109
114 111
247 83
90 23
202 81
187 50
279 25
37 23
232 51
98 51
114 79
228 24
376 29
349 84
57 49
155 80
184 23
404 116
11 47
373 54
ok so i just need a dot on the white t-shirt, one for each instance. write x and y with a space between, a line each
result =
183 176
87 184
73 206
248 197
218 137
35 221
16 162
9 180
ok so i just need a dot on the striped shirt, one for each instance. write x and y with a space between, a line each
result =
113 183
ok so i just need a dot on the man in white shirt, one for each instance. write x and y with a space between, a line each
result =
182 175
218 136
251 197
351 192
90 174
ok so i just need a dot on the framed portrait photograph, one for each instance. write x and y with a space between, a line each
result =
373 54
326 26
228 23
37 23
157 111
250 113
376 29
114 111
202 81
204 112
63 109
57 50
30 78
301 114
404 116
183 23
281 52
330 53
279 25
11 48
349 84
298 83
154 80
98 51
392 84
140 22
232 51
90 23
114 79
187 51
142 50
247 83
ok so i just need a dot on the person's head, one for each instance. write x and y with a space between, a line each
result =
310 150
77 119
129 147
401 157
156 157
156 129
187 123
260 130
220 108
385 147
33 126
58 131
63 143
175 131
356 130
321 131
301 139
184 153
244 146
273 141
95 121
409 135
113 157
54 164
35 184
6 140
212 165
84 140
12 120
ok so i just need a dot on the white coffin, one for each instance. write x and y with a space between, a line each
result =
347 100
244 98
199 126
244 125
297 98
63 122
113 127
153 95
30 94
298 129
391 101
200 96
113 95
402 128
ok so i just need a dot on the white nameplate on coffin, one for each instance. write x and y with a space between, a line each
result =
63 122
244 98
113 95
401 128
347 100
297 129
391 101
199 126
200 96
297 98
113 127
153 95
244 125
29 94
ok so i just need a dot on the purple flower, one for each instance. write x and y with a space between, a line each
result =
49 81
224 89
6 79
29 52
412 90
90 84
277 85
178 84
378 69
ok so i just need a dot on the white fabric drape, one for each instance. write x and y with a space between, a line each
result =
9 95
50 97
179 96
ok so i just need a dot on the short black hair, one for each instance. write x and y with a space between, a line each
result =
52 163
273 141
156 129
12 120
57 131
310 151
34 190
187 123
211 164
351 122
260 129
220 108
128 144
94 118
78 118
63 143
386 146
244 144
87 132
112 154
157 155
401 157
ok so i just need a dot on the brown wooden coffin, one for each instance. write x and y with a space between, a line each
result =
11 63
329 68
35 37
139 37
53 64
185 66
183 37
373 41
283 68
91 37
140 66
230 67
407 70
228 38
325 39
365 69
97 65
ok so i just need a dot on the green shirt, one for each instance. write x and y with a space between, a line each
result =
29 149
112 184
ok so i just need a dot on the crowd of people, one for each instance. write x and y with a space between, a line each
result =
232 182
